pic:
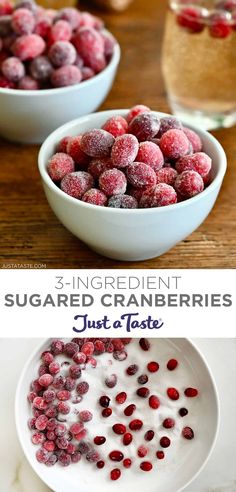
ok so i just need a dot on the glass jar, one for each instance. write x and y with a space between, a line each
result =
199 61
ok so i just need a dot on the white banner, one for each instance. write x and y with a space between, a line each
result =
117 303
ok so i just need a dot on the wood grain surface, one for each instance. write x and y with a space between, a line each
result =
31 234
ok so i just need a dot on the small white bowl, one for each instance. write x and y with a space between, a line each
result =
129 235
172 476
30 116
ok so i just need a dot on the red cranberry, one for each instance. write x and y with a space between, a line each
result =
85 416
41 422
42 455
219 25
60 430
63 407
87 348
168 423
57 347
144 344
120 355
62 442
70 384
135 424
75 371
116 456
160 455
165 442
153 366
106 412
76 428
143 379
40 403
71 449
82 388
54 368
191 18
81 435
100 464
51 412
70 349
191 392
129 410
47 357
31 423
188 433
64 459
127 463
49 396
146 466
154 402
99 440
127 438
104 401
173 393
119 428
149 435
172 364
59 382
131 370
63 395
143 392
142 451
38 438
115 474
51 424
111 381
121 397
75 457
183 412
79 358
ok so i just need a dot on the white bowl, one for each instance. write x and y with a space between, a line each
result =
129 235
171 476
30 116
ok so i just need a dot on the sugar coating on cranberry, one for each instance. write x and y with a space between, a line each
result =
13 69
27 83
169 123
85 415
194 139
174 144
28 46
59 165
160 195
97 143
113 182
95 197
73 148
23 21
65 76
166 175
199 162
135 111
90 45
124 150
144 126
116 125
60 31
77 183
140 175
122 201
189 183
82 388
111 381
188 433
150 154
62 53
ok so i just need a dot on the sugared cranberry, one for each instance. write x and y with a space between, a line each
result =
115 474
38 438
191 392
153 366
49 395
119 429
64 459
165 442
79 358
99 440
173 393
46 380
135 424
131 370
183 412
127 463
146 466
75 371
87 348
100 464
168 423
76 428
121 397
188 433
70 349
63 395
130 409
143 379
120 355
111 381
81 435
144 344
82 388
154 402
143 392
160 455
106 412
60 430
63 407
75 457
116 456
104 401
42 455
127 438
54 368
142 451
47 358
149 435
85 416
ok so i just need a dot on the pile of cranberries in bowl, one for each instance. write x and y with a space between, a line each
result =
45 48
94 402
135 161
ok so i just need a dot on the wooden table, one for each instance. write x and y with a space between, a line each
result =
31 234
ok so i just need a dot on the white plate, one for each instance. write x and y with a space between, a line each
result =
184 460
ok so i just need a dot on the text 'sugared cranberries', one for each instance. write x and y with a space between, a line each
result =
168 423
127 463
191 392
116 125
142 451
146 466
85 416
154 402
191 18
113 182
77 183
82 388
116 456
183 412
136 110
173 393
135 424
199 162
100 464
97 143
143 392
124 150
119 429
144 344
189 184
104 401
172 364
127 438
144 126
106 412
121 397
130 409
149 435
99 440
188 433
143 379
174 144
160 455
131 370
165 442
115 474
153 366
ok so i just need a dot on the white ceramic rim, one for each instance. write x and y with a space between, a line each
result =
204 362
156 210
71 88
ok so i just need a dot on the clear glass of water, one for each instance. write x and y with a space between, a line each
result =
199 61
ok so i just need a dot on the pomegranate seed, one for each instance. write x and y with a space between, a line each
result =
154 402
143 392
100 464
144 344
146 466
168 423
111 381
121 397
136 424
183 412
142 451
160 455
172 364
128 411
106 412
116 456
99 440
165 442
191 392
143 379
173 393
104 401
127 463
127 438
119 428
153 366
149 435
115 474
131 370
188 433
